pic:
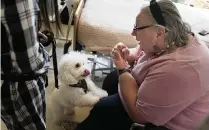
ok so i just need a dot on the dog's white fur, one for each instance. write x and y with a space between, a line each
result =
65 98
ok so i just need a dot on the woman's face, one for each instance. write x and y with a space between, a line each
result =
146 33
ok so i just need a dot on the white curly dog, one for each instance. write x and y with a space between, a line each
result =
75 87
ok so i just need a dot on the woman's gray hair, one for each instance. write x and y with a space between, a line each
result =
178 29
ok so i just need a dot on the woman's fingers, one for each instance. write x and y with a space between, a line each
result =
43 36
122 50
121 46
112 54
125 52
116 55
118 60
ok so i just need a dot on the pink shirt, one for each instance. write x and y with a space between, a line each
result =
174 88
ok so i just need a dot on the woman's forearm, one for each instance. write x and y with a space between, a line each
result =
128 94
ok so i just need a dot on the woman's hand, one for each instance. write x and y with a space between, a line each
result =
120 53
42 37
124 50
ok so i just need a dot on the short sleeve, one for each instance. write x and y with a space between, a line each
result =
166 91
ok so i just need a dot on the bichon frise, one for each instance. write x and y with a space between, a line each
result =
75 88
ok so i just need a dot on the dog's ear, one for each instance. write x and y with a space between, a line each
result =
67 78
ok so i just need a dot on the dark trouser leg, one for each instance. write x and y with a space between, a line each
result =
23 105
107 114
110 83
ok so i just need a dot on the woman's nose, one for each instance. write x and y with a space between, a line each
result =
133 33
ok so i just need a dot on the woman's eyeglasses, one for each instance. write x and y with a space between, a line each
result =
147 26
140 28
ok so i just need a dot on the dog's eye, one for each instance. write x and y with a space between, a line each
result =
77 65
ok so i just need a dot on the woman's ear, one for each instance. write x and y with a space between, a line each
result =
160 31
160 40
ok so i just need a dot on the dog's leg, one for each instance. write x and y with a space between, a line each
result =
57 113
62 115
95 90
86 100
69 111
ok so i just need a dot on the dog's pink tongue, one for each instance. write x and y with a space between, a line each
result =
86 73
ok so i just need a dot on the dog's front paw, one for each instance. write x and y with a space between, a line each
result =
94 100
104 94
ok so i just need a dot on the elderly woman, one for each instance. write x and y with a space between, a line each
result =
163 83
